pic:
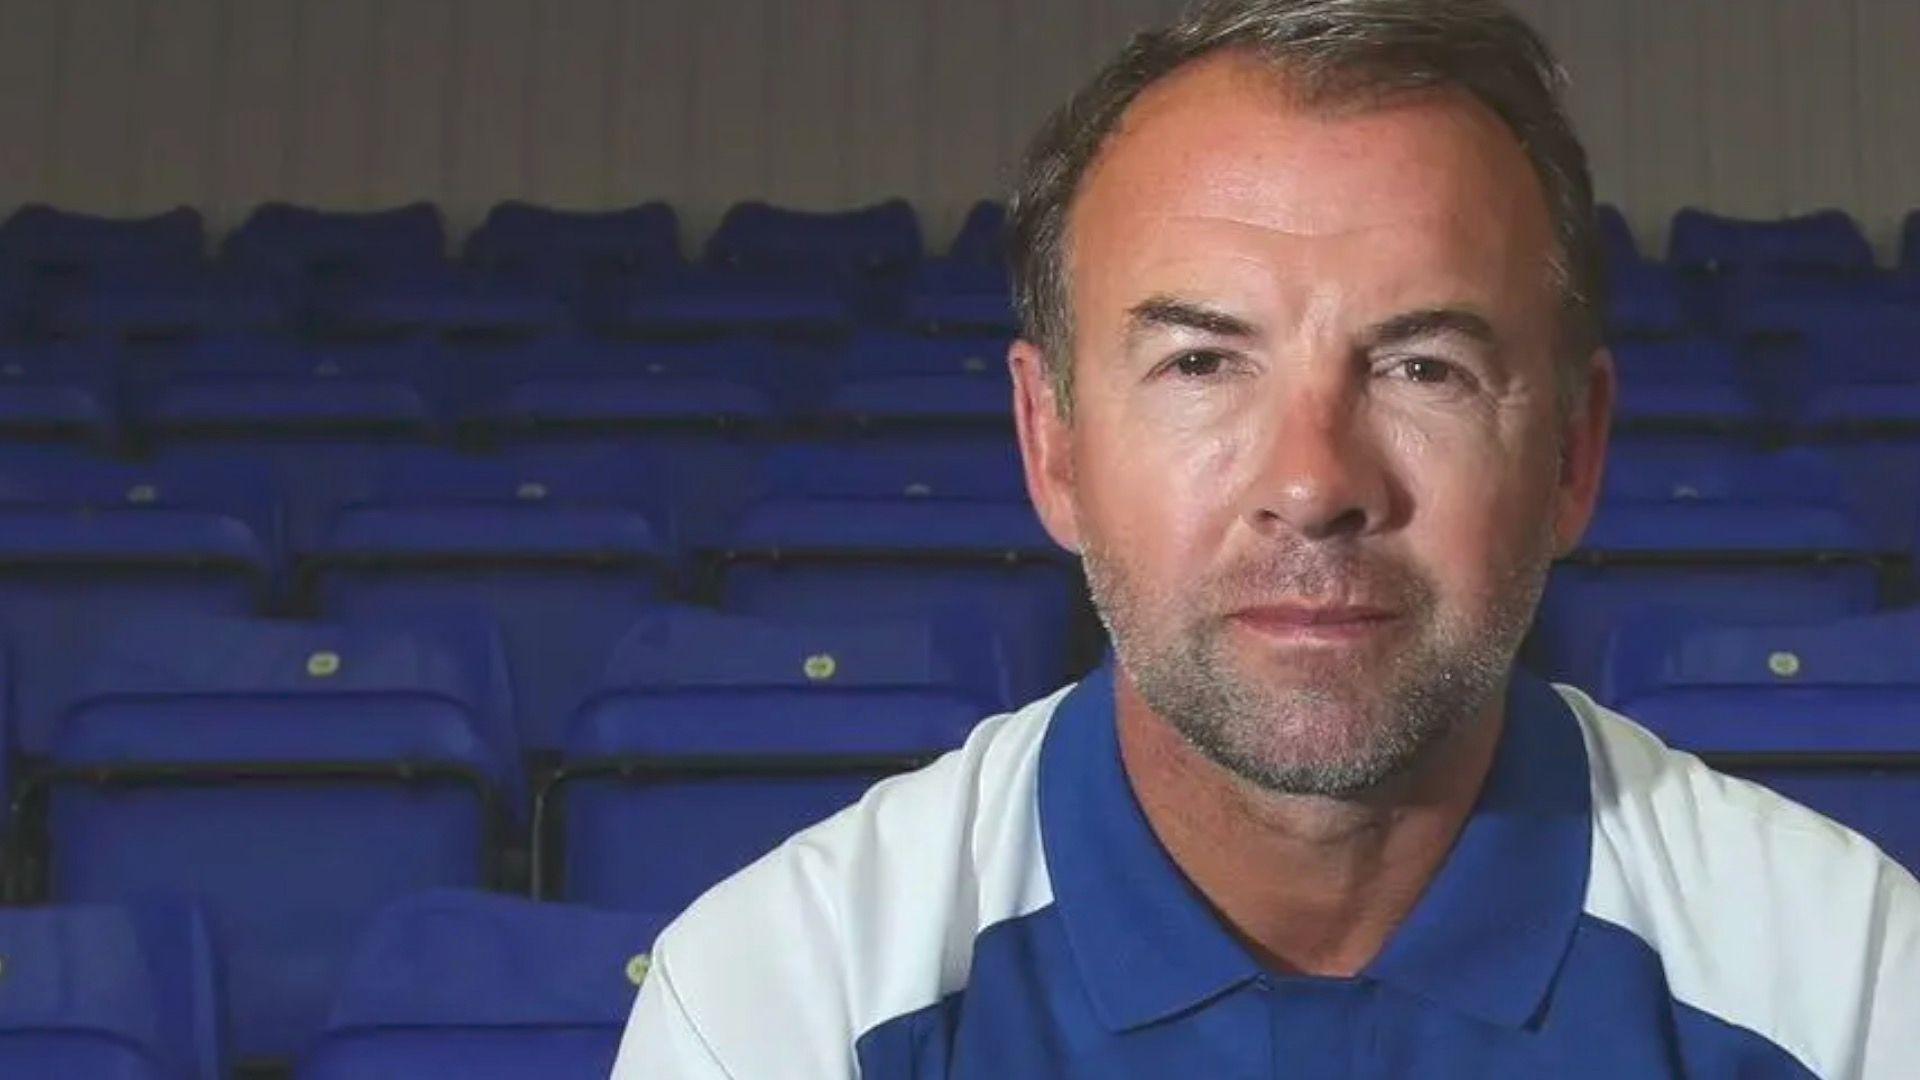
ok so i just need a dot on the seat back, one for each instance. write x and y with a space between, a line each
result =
562 560
452 983
1616 236
881 239
270 388
916 557
1715 531
1826 240
753 728
1827 713
86 542
1686 383
565 250
248 763
576 384
302 244
57 391
982 238
47 240
119 992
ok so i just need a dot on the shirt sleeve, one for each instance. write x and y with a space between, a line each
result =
1893 1019
661 1041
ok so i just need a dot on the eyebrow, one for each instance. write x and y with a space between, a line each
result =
1162 312
1429 322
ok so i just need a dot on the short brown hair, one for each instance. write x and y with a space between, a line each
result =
1331 51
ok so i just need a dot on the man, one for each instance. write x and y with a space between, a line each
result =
1311 379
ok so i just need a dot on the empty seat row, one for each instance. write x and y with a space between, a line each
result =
248 766
530 269
1837 372
526 270
440 983
1828 239
292 778
1745 277
561 547
424 389
1834 372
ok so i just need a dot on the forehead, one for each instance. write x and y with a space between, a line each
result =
1221 161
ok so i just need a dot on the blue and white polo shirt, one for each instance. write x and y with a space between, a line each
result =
1612 909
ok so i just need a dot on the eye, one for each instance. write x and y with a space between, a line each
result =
1198 364
1426 370
1431 372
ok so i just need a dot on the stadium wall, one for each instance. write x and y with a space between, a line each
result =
1753 107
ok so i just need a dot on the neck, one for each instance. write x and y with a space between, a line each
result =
1312 885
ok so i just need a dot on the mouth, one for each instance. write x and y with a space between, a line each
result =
1312 624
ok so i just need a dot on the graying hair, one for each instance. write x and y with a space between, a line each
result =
1329 52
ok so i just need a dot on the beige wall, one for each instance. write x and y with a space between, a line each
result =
1749 106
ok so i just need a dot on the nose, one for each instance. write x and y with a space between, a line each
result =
1321 476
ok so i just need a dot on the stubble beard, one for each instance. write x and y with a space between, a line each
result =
1338 723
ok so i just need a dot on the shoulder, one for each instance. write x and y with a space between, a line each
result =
1763 913
871 913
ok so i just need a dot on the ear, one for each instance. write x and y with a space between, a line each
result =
1046 444
1583 454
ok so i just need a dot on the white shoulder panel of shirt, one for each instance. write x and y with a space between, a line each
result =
1764 913
869 915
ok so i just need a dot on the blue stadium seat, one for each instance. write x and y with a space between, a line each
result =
982 236
192 302
969 290
583 384
564 252
921 555
1772 302
485 987
323 259
866 254
880 353
701 301
1718 535
293 777
1617 245
1687 383
1826 713
302 244
753 728
1646 300
320 415
878 240
899 466
266 387
86 542
110 992
61 242
562 558
1851 369
74 273
1826 240
906 379
693 413
444 301
950 296
58 392
9 748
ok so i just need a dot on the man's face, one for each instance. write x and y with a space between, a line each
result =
1316 464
